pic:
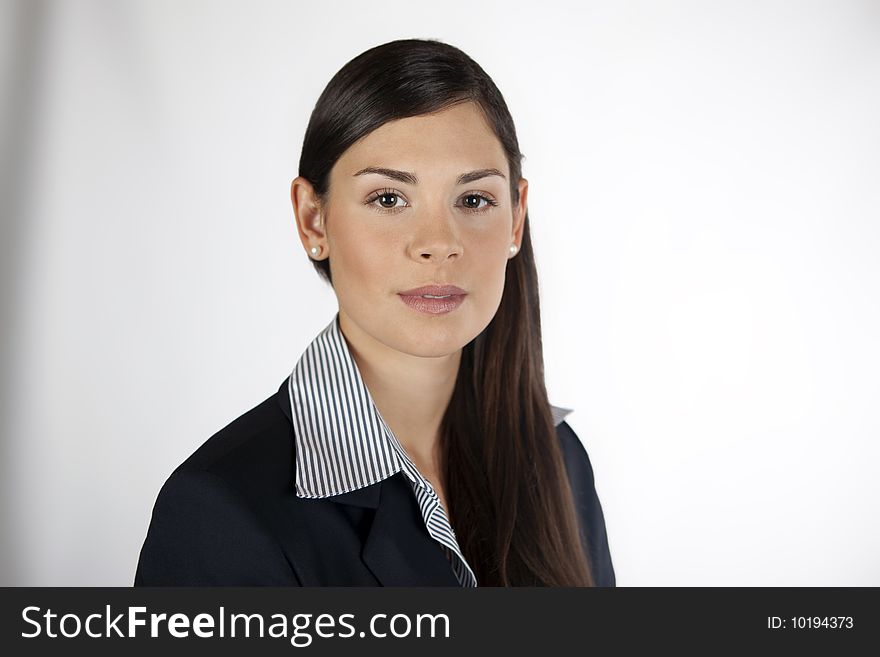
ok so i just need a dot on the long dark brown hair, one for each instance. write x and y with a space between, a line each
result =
506 484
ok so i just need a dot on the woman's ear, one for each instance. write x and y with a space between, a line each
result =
309 218
519 213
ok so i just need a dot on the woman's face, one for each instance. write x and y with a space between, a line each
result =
386 233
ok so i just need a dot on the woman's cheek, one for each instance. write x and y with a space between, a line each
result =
368 267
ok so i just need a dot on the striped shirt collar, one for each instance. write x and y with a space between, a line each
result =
342 441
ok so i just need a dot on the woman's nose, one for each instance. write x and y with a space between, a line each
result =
436 239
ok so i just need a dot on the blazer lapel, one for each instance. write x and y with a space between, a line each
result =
397 549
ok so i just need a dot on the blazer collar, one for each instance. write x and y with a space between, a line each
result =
397 553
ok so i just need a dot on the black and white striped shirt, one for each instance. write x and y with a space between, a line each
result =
343 443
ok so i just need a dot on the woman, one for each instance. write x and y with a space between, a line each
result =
413 443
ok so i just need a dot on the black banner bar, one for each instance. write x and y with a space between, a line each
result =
430 621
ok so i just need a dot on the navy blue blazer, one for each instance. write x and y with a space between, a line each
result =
229 516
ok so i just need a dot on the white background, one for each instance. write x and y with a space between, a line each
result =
704 207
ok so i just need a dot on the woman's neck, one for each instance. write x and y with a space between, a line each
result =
411 392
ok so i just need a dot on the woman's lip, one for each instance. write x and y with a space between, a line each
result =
436 290
433 306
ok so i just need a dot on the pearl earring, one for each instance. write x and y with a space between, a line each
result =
512 249
315 250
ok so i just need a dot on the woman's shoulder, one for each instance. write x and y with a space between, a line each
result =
589 508
573 452
214 518
251 457
256 438
577 460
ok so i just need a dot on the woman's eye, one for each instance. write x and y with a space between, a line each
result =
472 202
388 200
384 200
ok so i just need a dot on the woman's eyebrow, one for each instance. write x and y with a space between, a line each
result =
413 179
